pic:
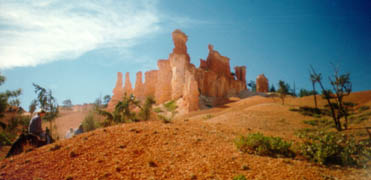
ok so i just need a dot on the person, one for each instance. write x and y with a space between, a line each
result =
35 124
69 134
79 130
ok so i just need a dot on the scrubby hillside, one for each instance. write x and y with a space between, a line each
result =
198 145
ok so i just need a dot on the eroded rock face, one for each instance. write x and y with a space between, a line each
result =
163 88
178 79
262 84
118 93
218 63
240 72
128 90
139 86
150 83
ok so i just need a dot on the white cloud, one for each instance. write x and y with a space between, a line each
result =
49 30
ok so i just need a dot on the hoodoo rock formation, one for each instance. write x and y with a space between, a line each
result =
118 93
262 83
127 87
178 79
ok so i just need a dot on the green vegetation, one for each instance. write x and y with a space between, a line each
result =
342 86
67 104
239 177
90 123
252 85
283 90
334 148
272 89
45 100
259 144
146 109
304 92
124 111
167 112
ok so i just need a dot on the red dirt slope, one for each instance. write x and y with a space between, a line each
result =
195 146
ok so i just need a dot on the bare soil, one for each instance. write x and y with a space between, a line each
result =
198 145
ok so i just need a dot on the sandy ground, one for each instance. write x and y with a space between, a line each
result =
198 145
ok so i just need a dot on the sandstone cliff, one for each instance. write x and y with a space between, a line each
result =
178 79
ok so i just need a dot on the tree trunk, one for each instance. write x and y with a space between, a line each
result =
334 117
314 95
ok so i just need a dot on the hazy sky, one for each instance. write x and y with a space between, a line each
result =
75 47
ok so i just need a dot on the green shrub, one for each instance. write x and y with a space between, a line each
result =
90 123
167 112
239 177
4 139
334 148
262 145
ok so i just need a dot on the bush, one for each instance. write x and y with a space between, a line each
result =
239 177
90 123
334 148
167 112
4 139
262 145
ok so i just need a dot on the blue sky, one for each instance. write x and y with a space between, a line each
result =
75 48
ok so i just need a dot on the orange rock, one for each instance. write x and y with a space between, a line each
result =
150 83
128 90
180 40
139 87
261 83
178 79
163 88
218 63
240 72
118 93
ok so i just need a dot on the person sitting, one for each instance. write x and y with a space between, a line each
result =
35 124
69 134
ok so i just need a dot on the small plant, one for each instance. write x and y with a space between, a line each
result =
167 112
239 177
263 145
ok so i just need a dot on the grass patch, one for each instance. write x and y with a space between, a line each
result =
259 144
